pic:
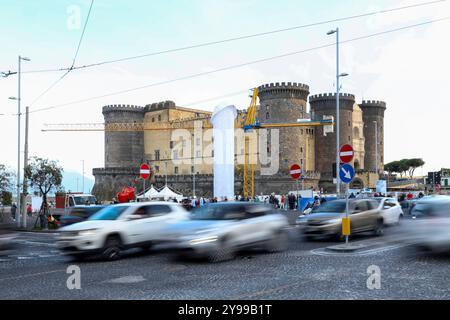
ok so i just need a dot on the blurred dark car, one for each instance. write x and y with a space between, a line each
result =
430 228
7 238
79 214
326 220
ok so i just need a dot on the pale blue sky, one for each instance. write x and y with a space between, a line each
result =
408 69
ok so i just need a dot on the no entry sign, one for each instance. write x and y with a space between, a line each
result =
346 153
295 171
144 171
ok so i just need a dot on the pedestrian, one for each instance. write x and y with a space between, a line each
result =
29 210
13 211
352 195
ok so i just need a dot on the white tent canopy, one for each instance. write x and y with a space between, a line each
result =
167 193
151 193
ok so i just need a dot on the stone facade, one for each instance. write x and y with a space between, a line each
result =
280 103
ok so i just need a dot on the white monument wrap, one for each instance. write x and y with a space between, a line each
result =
223 133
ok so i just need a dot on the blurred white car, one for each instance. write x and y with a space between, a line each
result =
390 209
119 227
219 230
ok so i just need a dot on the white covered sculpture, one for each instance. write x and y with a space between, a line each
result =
223 120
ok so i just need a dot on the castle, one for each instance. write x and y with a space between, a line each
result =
126 150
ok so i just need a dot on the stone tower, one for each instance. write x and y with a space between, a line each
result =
123 148
373 111
285 103
325 105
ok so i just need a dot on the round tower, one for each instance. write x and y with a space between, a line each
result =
285 103
373 115
123 148
325 105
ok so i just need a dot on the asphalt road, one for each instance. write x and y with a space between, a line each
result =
36 270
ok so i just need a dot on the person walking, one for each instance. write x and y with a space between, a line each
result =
13 211
29 210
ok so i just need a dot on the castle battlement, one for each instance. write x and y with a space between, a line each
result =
283 85
373 103
122 108
160 105
283 90
331 96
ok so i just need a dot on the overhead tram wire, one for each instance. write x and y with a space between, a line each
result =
212 43
238 65
73 60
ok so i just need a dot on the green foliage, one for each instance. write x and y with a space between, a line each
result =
6 198
44 175
403 166
6 177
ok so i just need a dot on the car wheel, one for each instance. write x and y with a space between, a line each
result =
224 252
378 230
112 248
278 243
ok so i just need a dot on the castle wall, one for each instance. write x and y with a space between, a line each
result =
285 103
373 111
325 105
123 148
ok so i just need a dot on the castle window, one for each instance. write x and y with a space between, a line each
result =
198 154
183 143
301 149
197 114
212 153
197 141
349 124
192 169
176 170
301 161
153 119
157 155
157 168
301 131
175 154
267 115
159 117
171 144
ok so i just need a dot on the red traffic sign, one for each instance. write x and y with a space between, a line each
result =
144 171
296 171
346 153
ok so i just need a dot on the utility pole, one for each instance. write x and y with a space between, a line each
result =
338 76
25 164
193 178
82 179
376 147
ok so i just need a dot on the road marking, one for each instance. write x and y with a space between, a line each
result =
127 279
33 275
323 252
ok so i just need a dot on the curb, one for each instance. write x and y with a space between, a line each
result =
346 248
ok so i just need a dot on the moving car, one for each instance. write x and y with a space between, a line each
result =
390 210
219 230
7 238
79 214
326 220
430 228
117 227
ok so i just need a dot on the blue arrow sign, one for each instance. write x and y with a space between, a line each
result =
346 173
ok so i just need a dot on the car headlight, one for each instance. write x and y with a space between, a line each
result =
203 240
85 233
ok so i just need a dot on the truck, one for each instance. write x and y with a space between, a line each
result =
64 201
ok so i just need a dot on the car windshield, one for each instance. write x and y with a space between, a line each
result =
217 212
109 213
330 206
80 200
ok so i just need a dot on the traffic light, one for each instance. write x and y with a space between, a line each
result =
437 177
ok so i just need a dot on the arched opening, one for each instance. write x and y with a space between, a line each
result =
357 184
357 165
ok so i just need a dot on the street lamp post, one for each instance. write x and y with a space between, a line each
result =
376 147
338 76
18 98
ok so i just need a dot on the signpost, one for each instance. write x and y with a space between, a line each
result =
296 172
346 174
144 171
346 153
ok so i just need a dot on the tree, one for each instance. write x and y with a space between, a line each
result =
403 166
392 167
413 165
44 176
6 177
